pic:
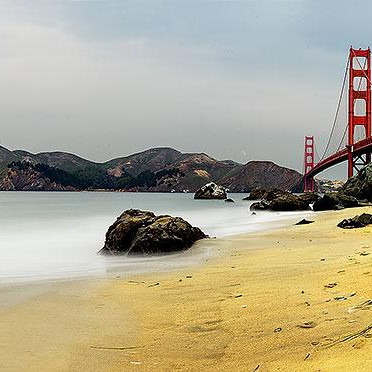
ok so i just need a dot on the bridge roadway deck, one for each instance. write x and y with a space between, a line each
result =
361 147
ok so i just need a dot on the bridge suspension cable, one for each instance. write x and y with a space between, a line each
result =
337 110
359 85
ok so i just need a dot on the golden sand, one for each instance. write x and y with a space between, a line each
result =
291 299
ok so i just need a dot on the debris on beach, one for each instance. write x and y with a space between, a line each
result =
279 329
366 305
330 285
304 222
340 298
306 325
154 285
364 253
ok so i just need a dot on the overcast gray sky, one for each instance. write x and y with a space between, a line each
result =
244 80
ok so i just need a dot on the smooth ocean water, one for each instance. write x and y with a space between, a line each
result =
54 235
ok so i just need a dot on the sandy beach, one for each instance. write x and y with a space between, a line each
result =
297 298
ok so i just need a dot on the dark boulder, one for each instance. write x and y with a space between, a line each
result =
211 191
289 202
334 201
356 222
360 186
138 232
229 200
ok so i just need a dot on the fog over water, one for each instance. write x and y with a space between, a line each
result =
57 235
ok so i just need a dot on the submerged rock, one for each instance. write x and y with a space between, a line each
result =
137 232
259 206
356 222
335 201
211 191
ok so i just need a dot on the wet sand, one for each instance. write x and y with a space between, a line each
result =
291 299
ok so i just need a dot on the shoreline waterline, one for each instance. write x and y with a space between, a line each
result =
55 236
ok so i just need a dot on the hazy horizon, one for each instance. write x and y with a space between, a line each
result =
240 80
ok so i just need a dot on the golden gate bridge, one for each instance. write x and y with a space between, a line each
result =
356 151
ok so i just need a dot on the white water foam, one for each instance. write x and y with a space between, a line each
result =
57 235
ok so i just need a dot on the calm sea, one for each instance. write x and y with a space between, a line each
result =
52 235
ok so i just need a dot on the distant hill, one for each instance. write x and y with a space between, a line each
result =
261 174
158 170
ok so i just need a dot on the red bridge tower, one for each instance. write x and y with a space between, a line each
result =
358 74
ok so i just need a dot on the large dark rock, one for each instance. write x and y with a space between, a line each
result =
138 232
360 186
334 201
356 222
211 191
278 200
260 193
289 202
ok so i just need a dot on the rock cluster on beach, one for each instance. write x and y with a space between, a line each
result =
137 232
356 222
278 200
211 191
335 201
360 186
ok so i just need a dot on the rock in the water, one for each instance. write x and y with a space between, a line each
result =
335 201
356 222
229 200
211 191
289 202
138 232
360 186
304 222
